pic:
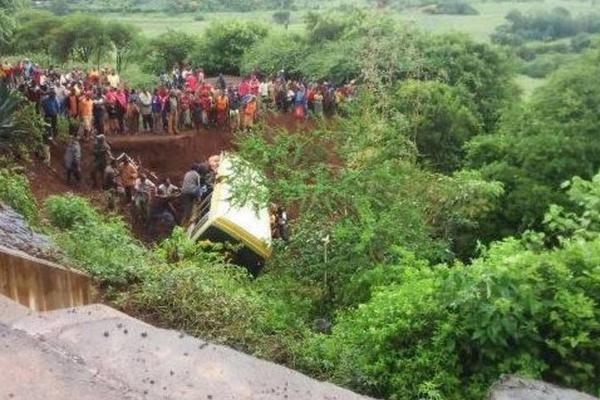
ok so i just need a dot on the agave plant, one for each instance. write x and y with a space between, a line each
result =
9 130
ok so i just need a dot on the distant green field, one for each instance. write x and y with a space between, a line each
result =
491 15
478 26
153 24
528 85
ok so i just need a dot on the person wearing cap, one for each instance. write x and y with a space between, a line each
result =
111 183
145 104
157 107
72 105
185 101
72 160
171 105
206 103
133 113
98 112
85 108
235 103
197 112
102 156
50 108
222 107
129 176
249 113
144 191
192 189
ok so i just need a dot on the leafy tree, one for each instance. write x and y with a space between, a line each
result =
450 332
276 52
167 50
7 20
124 39
440 121
334 61
544 25
483 72
7 27
35 32
282 17
224 44
80 37
541 145
331 26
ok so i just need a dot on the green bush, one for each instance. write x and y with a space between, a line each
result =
137 78
449 333
15 191
545 64
276 52
531 51
282 17
102 246
224 44
21 126
452 8
440 118
546 25
199 17
65 211
193 288
160 54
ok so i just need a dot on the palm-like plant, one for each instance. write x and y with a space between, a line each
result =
9 130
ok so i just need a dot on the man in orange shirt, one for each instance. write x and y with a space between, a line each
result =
129 175
222 105
72 104
249 113
85 108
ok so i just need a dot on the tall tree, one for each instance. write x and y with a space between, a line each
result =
35 32
7 19
81 37
123 38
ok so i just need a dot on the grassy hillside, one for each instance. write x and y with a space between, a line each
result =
491 15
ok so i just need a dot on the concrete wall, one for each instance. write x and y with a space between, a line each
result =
39 284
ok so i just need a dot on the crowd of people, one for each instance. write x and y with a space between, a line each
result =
155 203
97 101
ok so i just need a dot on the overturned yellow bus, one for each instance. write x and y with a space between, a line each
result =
218 219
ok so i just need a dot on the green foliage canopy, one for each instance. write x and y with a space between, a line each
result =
224 43
541 145
440 120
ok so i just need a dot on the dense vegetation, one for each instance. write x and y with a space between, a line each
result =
550 25
547 40
446 231
171 6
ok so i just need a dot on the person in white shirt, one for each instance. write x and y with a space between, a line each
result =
145 98
263 92
167 188
113 79
144 191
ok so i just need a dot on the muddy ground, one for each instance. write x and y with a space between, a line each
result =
164 155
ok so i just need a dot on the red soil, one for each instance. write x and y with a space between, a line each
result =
165 156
